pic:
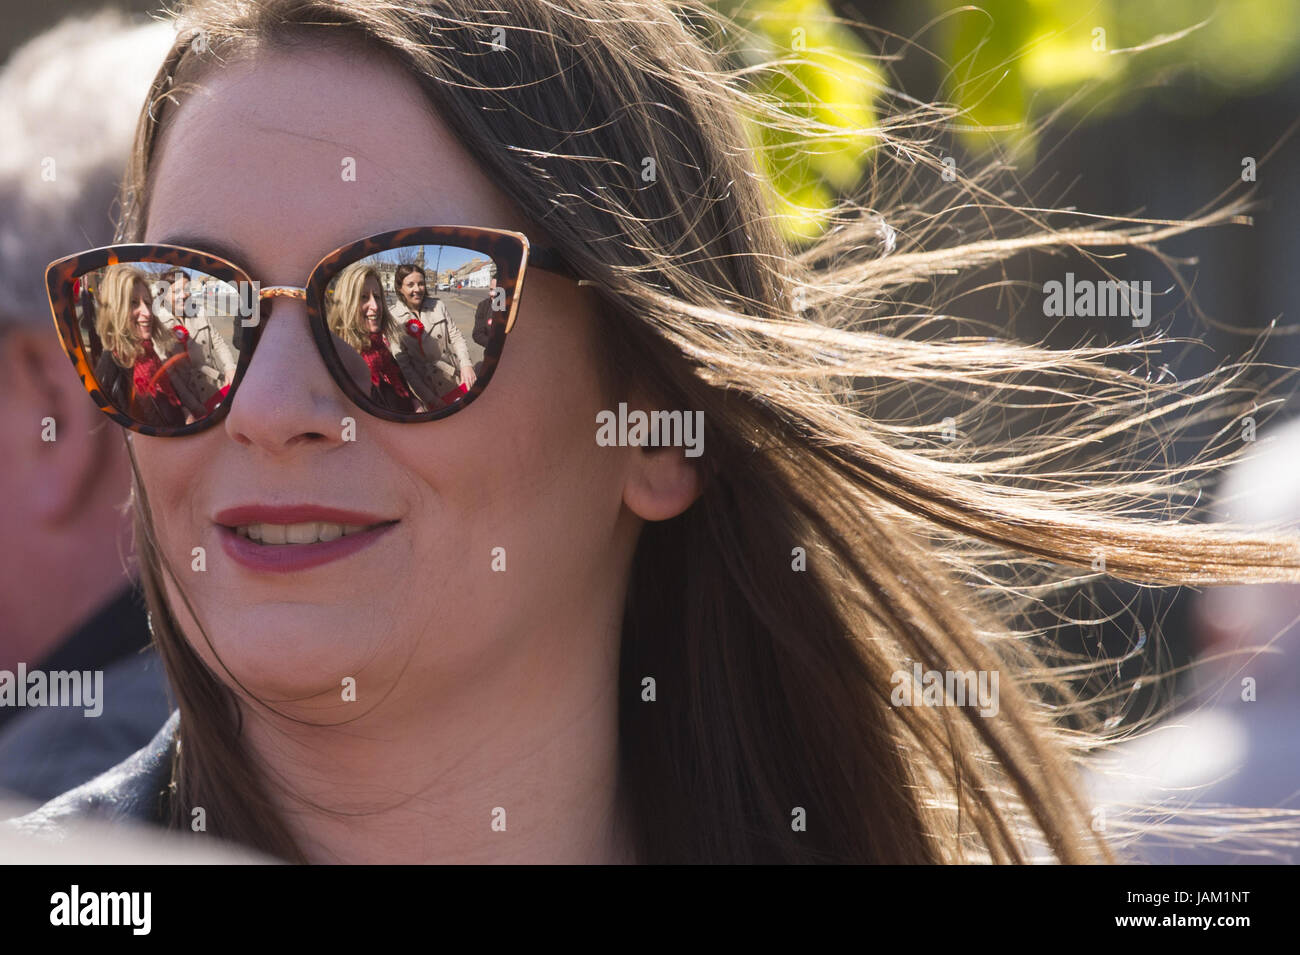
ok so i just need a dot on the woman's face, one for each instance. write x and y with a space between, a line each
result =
503 538
142 309
413 289
371 307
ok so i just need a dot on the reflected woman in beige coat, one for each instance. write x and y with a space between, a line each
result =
212 360
436 362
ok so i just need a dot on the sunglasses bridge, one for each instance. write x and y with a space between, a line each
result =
285 291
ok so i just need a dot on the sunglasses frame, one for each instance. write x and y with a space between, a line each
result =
510 251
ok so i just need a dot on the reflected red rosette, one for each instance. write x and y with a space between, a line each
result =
415 328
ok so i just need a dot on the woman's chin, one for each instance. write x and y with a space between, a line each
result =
316 664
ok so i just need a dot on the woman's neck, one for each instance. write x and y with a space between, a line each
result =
517 765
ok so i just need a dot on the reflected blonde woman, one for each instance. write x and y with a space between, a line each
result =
136 340
358 315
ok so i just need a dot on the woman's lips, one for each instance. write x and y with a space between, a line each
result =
271 523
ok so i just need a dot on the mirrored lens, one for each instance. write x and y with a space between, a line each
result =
412 324
163 340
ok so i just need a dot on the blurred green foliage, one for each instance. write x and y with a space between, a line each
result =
830 82
1009 62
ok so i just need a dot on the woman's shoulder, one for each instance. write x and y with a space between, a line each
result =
131 790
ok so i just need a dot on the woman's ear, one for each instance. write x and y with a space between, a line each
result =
662 482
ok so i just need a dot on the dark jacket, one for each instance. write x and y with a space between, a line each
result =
45 751
133 790
49 751
115 382
483 323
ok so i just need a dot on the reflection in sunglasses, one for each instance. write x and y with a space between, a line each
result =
421 318
406 328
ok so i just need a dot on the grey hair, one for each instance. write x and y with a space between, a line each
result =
69 102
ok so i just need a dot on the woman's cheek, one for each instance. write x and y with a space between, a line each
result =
175 476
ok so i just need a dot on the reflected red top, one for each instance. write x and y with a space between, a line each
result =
383 367
147 380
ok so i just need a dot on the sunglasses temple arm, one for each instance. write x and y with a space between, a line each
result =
550 260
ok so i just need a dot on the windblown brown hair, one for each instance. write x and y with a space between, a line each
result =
917 549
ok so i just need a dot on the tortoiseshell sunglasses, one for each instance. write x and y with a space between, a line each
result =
410 323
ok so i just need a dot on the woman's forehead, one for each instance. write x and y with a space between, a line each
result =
337 144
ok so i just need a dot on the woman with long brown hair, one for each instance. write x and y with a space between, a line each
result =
433 352
630 652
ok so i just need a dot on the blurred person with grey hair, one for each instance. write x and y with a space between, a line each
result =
69 100
1237 742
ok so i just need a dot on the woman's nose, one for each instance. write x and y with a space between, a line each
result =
287 397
